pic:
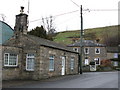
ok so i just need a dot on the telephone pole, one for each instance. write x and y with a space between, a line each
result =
81 40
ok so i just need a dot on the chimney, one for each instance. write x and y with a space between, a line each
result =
21 25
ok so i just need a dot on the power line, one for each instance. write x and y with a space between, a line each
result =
75 3
66 13
89 10
101 9
57 15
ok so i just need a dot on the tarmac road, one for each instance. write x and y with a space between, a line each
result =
86 80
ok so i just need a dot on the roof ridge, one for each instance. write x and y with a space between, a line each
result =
86 43
45 39
49 43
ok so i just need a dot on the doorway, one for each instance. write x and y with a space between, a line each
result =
63 66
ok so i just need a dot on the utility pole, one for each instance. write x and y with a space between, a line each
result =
81 40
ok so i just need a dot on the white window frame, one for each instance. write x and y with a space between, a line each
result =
76 49
85 51
115 55
115 63
72 61
96 60
98 50
33 62
51 57
9 60
86 61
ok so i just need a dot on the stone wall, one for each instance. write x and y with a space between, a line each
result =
41 69
110 55
28 74
45 52
18 72
11 72
92 55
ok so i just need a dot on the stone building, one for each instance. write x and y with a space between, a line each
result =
92 51
29 57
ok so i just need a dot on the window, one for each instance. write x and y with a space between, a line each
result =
30 58
115 63
115 55
51 63
72 63
97 61
97 50
86 50
10 59
75 49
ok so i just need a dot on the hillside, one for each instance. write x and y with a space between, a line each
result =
101 33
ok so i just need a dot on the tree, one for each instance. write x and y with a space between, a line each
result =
48 24
39 32
90 36
111 40
106 63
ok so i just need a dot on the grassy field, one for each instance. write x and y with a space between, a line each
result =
63 37
91 34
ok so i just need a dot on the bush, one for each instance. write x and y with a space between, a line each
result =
104 68
86 68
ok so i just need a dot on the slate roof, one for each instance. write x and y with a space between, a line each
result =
39 41
87 43
48 43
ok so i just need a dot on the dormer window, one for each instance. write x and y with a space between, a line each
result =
97 50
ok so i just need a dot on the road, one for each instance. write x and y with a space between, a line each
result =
86 80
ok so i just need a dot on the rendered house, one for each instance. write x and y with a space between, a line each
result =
29 57
113 54
92 51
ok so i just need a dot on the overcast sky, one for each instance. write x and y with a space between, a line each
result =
70 21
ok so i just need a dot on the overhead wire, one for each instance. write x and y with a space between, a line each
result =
57 15
89 10
101 9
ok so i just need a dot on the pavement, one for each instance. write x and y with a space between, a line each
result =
12 83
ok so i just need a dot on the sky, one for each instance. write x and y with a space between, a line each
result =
65 21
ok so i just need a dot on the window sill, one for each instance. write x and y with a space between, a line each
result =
10 66
97 53
30 70
86 53
51 70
